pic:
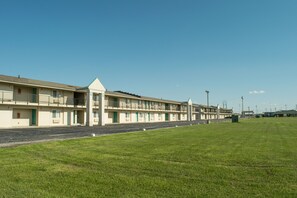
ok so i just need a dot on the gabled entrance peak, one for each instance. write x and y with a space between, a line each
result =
190 101
96 86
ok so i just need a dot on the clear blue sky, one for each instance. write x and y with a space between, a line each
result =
173 49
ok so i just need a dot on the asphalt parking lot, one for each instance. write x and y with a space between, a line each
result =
18 136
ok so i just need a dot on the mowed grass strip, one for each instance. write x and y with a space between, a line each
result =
256 157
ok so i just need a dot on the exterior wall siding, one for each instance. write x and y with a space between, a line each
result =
21 117
6 116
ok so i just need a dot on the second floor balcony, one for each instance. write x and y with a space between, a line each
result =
39 100
142 106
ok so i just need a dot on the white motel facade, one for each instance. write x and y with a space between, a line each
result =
27 102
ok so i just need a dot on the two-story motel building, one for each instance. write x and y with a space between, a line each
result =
27 102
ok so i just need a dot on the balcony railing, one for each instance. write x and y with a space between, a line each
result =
136 106
10 98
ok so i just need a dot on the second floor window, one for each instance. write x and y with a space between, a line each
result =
96 97
55 93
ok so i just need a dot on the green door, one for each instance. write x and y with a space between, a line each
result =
34 95
33 117
115 117
166 116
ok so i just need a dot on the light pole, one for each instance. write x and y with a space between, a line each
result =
207 99
242 105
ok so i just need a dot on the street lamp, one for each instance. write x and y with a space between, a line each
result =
207 98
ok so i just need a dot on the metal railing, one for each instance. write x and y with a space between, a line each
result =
6 96
13 98
136 106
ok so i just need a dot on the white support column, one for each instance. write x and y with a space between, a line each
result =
218 112
90 118
189 110
101 109
96 87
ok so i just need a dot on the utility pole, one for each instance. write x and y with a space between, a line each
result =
207 100
225 104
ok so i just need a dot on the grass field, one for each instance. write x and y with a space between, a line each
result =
252 158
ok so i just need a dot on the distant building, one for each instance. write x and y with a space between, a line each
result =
286 113
248 114
268 114
204 112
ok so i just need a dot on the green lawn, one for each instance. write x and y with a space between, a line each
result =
252 158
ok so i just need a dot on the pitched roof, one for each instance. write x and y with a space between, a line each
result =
47 84
138 97
37 83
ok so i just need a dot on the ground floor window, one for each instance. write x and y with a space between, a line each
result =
127 115
96 114
152 117
55 114
160 116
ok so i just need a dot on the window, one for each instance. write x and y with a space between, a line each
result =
18 115
19 90
96 97
173 107
127 103
95 114
152 117
56 114
160 116
127 116
55 93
